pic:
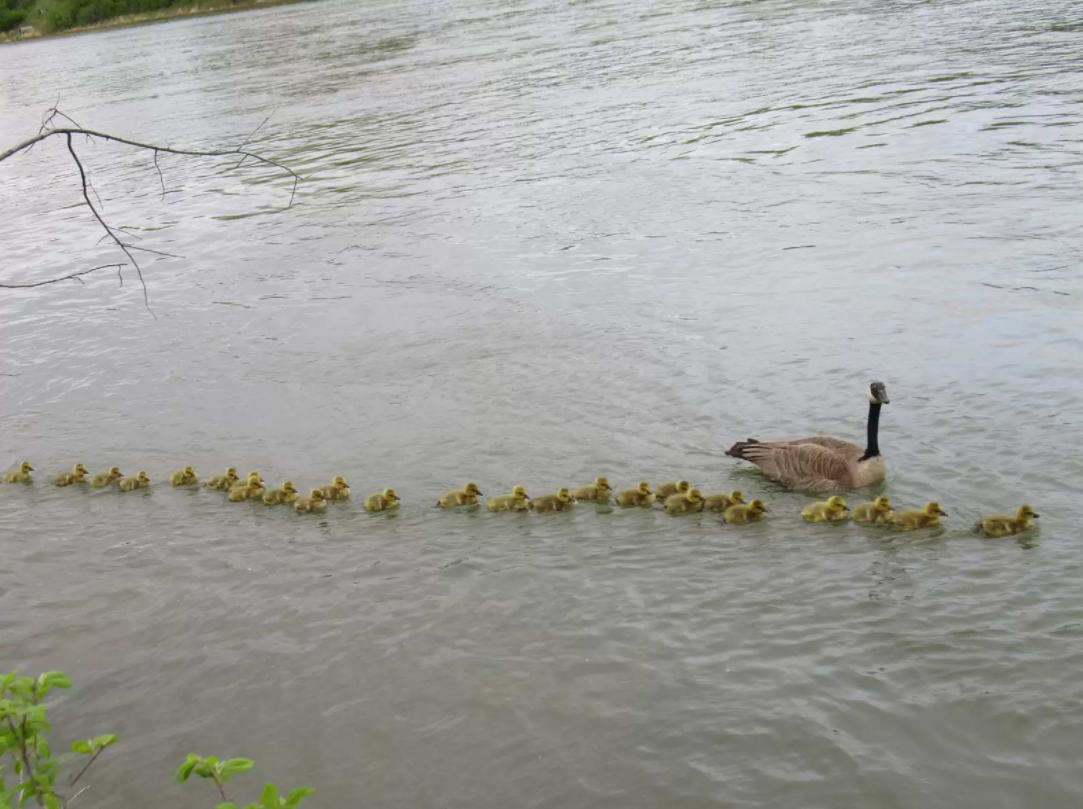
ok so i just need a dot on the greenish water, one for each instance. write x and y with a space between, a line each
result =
540 242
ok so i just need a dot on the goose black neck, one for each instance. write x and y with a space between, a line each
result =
872 449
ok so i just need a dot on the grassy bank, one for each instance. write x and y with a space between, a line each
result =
26 19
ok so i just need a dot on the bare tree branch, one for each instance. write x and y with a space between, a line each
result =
74 276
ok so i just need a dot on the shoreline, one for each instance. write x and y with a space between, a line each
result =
128 20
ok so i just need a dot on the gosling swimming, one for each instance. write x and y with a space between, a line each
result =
184 477
103 479
741 514
140 481
876 512
20 475
251 489
666 490
337 489
641 496
466 496
76 475
720 501
561 501
224 482
833 510
599 490
518 500
315 503
286 493
1002 525
928 517
684 502
382 501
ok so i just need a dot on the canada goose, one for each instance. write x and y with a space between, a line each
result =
382 501
599 490
741 514
224 482
466 496
338 489
639 496
928 517
140 481
251 489
820 463
834 510
666 490
720 501
286 493
878 511
518 500
184 477
560 501
76 475
684 502
103 479
20 475
316 502
1001 525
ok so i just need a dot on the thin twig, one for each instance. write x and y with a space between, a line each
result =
71 800
73 276
86 767
218 783
161 179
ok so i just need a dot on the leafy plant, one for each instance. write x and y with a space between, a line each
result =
220 772
23 739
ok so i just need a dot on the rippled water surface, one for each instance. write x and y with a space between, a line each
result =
538 242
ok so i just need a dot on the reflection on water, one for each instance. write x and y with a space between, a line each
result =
537 243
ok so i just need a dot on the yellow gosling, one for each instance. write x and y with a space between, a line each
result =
834 509
560 501
184 477
928 517
640 496
20 475
720 501
286 493
466 496
599 490
337 489
140 481
684 503
315 503
224 482
667 490
251 489
518 500
1002 525
741 514
382 501
877 512
76 475
104 479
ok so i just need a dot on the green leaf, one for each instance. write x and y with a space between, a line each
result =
235 765
203 769
7 680
44 749
53 679
269 797
81 746
294 798
185 769
52 802
229 805
101 742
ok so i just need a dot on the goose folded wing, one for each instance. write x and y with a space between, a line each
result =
803 466
845 448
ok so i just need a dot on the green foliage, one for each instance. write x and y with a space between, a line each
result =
13 13
220 772
24 743
63 14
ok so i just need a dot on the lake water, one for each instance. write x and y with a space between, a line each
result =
537 242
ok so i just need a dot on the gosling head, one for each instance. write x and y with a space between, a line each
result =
25 467
602 482
472 489
757 507
114 471
836 503
231 472
694 496
519 492
737 496
644 487
142 477
1027 513
878 393
564 495
317 495
253 477
934 509
189 471
79 469
288 487
339 482
682 485
882 504
391 496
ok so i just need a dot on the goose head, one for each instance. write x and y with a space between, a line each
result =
878 393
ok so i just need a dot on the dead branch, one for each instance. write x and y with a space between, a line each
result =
49 129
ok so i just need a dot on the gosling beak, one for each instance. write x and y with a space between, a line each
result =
1035 516
943 513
